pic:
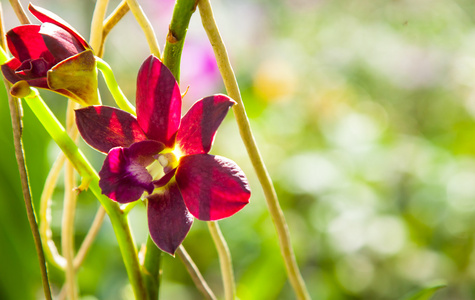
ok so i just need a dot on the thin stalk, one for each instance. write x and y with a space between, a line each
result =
91 235
273 205
146 26
113 86
112 20
69 212
95 40
182 13
224 260
16 113
195 274
19 11
3 39
151 269
91 179
51 251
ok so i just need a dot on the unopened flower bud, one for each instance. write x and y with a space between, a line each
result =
20 89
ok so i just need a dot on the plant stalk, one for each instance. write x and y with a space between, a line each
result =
90 179
16 113
273 205
195 274
182 13
146 26
224 260
69 211
113 86
151 269
95 40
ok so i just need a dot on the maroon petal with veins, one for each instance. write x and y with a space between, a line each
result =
61 43
168 218
105 127
158 101
13 76
198 127
123 177
213 187
46 16
25 42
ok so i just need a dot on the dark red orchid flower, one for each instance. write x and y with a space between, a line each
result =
52 56
166 156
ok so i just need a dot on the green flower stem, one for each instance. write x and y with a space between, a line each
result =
16 112
91 179
224 260
96 25
195 274
151 269
113 86
176 35
232 88
146 26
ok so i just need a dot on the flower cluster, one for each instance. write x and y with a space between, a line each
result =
166 156
52 56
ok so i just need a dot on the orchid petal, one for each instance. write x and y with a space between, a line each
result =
104 127
198 127
76 77
168 219
46 16
25 42
10 73
158 101
123 177
213 187
164 179
60 43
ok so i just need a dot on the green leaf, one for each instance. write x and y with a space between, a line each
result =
425 293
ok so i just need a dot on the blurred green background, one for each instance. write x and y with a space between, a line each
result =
364 112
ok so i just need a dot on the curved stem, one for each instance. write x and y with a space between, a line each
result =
20 13
95 40
3 39
46 233
182 13
273 205
119 221
69 211
195 274
113 86
224 260
146 26
112 20
91 235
